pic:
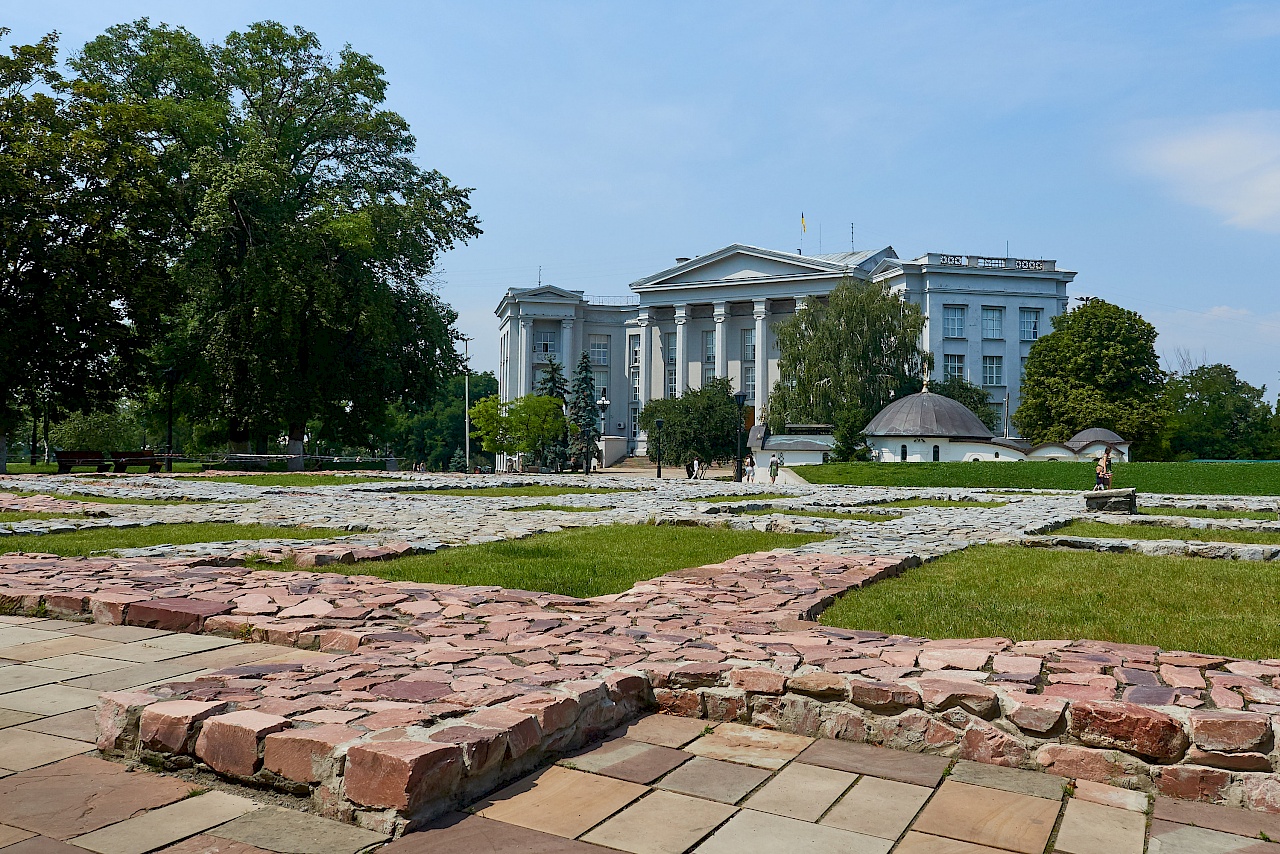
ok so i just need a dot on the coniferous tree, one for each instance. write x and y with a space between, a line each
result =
584 416
553 384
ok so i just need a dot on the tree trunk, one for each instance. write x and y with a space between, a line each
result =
295 449
31 449
46 434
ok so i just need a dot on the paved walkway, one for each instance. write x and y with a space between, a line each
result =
57 796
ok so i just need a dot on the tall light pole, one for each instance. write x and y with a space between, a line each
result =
603 405
171 376
657 441
466 399
741 399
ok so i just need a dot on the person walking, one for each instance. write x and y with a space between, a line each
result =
749 469
697 469
773 469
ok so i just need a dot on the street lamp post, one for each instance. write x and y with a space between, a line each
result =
170 375
603 405
466 399
657 443
741 399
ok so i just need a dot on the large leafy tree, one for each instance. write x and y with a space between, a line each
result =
1213 414
526 425
843 360
1097 368
301 228
80 273
433 433
701 423
584 416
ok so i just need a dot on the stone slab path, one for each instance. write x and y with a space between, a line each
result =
58 796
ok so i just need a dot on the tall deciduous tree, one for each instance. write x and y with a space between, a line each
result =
525 425
1218 416
840 361
584 416
1097 368
301 228
433 433
79 269
701 423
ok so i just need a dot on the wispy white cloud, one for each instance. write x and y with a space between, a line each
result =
1229 164
1240 337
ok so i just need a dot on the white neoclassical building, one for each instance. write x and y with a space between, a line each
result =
714 316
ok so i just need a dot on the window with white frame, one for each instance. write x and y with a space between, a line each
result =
953 317
598 346
633 347
635 385
635 423
749 381
953 366
1022 370
997 409
993 370
709 347
601 379
669 346
1029 324
749 345
992 322
546 342
671 380
708 374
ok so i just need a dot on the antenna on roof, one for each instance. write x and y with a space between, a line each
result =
539 275
852 234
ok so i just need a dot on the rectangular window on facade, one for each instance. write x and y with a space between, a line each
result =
669 346
601 379
708 374
635 386
1029 324
598 346
953 366
749 381
953 321
635 423
671 380
546 342
998 409
633 347
709 347
993 370
1022 370
748 345
993 323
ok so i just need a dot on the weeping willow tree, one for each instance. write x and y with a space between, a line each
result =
842 361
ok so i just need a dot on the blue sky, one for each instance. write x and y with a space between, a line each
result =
1137 143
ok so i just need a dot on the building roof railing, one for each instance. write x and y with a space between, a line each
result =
607 299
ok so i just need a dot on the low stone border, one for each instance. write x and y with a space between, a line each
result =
1160 548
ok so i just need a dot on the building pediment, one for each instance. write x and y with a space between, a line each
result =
740 263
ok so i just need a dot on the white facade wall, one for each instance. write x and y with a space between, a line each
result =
743 289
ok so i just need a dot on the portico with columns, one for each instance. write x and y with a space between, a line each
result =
716 315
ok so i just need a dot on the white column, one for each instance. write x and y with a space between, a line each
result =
646 378
569 355
722 335
526 358
682 350
761 314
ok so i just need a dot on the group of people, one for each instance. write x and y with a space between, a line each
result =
697 469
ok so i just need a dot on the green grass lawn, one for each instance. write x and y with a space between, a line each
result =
110 499
1153 532
1218 607
562 507
826 514
581 561
1200 513
107 539
930 502
276 480
531 491
19 516
1173 478
758 496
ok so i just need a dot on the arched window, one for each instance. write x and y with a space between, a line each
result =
903 452
937 453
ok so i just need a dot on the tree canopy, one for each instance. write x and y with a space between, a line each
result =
300 229
840 361
1097 368
584 416
526 425
701 423
1213 414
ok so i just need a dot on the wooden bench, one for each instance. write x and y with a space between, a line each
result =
68 460
121 460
